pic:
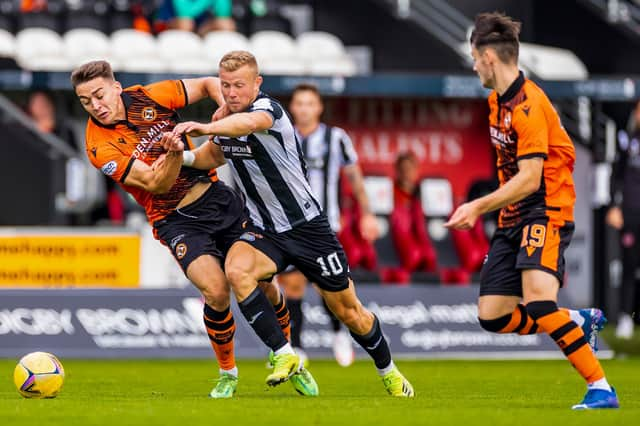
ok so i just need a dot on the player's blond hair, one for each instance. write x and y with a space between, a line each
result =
237 59
89 71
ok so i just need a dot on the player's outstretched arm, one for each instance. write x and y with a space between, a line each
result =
234 125
204 87
160 176
524 183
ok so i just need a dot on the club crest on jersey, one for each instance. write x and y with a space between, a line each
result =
148 113
181 250
507 120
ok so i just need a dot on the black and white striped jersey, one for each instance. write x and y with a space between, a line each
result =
326 151
269 169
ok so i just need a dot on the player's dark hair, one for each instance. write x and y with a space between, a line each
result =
498 31
306 87
91 70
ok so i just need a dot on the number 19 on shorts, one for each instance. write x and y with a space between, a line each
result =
335 267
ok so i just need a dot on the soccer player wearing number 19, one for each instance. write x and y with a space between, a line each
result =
259 143
536 197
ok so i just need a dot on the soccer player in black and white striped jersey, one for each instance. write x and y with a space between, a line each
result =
288 227
328 151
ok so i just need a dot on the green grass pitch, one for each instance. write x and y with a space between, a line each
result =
448 392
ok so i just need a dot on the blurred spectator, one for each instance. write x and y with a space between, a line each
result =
41 108
201 16
408 230
624 215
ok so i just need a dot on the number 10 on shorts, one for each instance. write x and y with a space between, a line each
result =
334 264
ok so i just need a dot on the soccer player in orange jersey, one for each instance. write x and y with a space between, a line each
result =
535 157
129 138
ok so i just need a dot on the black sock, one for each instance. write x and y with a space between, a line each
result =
262 318
295 312
375 344
335 322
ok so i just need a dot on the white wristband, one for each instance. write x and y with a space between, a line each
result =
188 158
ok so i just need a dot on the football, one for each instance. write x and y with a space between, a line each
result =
38 375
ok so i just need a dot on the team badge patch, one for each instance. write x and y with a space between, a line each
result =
181 250
109 168
148 113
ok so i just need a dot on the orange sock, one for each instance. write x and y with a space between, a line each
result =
282 313
221 327
568 336
521 322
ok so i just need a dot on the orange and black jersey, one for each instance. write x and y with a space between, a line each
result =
523 124
150 111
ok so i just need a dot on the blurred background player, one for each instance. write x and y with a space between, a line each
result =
624 215
192 212
410 237
537 197
288 226
328 151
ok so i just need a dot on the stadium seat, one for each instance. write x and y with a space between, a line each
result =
41 49
324 54
552 63
319 44
85 44
380 189
276 53
217 43
343 66
136 51
182 51
7 44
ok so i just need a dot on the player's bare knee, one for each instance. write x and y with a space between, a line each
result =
238 277
217 298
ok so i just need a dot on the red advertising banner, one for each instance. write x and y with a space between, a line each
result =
449 137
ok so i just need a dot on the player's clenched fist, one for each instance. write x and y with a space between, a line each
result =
171 142
191 128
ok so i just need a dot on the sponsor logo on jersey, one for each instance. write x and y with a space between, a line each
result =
235 148
109 168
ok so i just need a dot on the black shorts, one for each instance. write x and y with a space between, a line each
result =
312 248
534 244
209 225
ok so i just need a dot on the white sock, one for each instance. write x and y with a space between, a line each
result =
233 372
286 349
600 384
386 370
576 317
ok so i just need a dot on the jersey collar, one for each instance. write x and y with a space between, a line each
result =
513 89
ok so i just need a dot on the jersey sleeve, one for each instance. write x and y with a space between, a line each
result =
169 93
267 105
530 124
108 159
348 154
